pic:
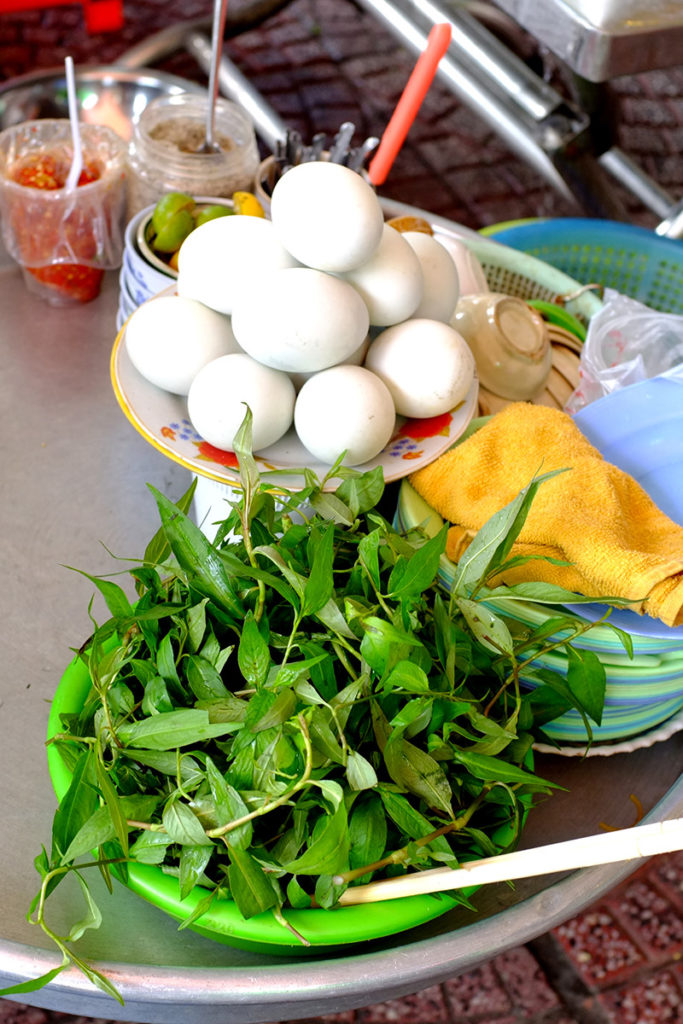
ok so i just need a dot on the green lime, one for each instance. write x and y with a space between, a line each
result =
173 232
168 206
211 213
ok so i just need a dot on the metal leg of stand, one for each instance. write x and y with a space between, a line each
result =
536 122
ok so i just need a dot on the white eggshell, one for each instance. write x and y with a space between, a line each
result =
471 274
427 366
355 359
390 282
326 215
218 395
441 286
300 320
344 408
170 338
220 258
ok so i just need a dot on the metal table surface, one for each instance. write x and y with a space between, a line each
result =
73 490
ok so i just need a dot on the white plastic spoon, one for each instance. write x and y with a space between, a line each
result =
77 161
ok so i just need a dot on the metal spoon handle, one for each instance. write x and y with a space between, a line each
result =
217 33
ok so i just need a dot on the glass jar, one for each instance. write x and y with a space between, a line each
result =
163 155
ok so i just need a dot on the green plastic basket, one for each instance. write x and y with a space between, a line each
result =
631 260
525 276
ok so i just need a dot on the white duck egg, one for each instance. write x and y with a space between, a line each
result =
427 366
218 395
300 320
346 408
441 286
170 338
390 282
355 359
326 215
223 256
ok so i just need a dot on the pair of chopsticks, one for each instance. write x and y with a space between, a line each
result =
641 841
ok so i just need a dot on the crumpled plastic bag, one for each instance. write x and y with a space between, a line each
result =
626 342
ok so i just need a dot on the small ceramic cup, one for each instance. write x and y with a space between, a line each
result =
509 341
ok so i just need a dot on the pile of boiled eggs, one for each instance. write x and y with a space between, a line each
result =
323 317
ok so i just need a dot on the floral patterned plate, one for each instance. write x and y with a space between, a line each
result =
163 421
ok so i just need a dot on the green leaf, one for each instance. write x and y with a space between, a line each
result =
408 676
587 681
100 828
193 861
229 806
34 984
330 507
409 820
319 586
367 833
489 629
383 643
359 771
414 770
362 492
115 597
172 729
493 541
114 805
92 917
328 851
182 825
159 549
197 557
203 679
493 769
413 575
249 473
368 550
150 848
76 806
196 624
253 653
249 886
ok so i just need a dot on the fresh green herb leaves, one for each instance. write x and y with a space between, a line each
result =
297 705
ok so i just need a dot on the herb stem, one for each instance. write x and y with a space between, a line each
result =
513 675
270 805
399 856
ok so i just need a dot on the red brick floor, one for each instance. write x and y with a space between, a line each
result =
319 63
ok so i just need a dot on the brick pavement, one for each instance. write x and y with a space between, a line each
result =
319 63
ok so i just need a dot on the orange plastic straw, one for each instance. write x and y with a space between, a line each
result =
407 107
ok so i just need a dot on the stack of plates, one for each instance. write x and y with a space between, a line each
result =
139 280
639 429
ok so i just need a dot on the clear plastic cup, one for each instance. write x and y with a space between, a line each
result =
63 239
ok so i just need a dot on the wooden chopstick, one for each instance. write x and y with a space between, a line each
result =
605 848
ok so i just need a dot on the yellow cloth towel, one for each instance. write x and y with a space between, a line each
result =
595 516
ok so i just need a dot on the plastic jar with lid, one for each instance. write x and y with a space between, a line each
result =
163 155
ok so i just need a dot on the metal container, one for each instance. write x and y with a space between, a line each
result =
107 95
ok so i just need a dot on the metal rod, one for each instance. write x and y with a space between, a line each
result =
497 62
497 111
637 181
267 123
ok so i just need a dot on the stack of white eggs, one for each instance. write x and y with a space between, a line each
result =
323 317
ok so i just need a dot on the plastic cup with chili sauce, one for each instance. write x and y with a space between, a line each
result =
63 239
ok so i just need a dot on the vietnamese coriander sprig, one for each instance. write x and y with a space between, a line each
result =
298 706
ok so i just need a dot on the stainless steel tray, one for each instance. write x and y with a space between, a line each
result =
73 488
